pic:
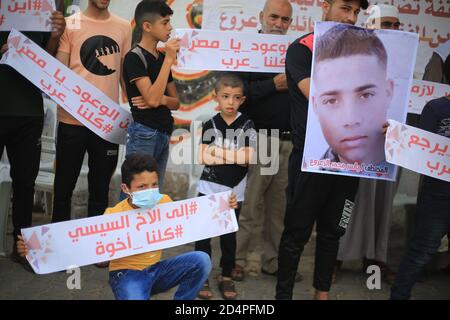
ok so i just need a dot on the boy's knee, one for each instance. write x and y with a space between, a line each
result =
295 236
131 295
202 261
130 291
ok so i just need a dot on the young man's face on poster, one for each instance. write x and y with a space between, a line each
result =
351 97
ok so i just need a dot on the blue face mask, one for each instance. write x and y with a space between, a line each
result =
146 199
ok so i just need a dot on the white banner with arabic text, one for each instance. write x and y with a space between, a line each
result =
424 91
77 96
227 51
428 18
59 246
26 15
418 150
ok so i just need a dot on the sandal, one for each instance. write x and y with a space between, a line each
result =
237 274
205 292
227 289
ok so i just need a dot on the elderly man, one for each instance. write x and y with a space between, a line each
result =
268 106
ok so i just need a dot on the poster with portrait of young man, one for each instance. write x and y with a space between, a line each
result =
360 78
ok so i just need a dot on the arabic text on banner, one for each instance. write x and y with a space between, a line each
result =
58 246
418 150
424 91
429 19
77 96
225 51
26 15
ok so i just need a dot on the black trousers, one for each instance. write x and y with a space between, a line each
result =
227 246
71 145
22 138
324 199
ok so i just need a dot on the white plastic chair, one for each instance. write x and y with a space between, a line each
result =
5 204
46 175
195 169
48 137
116 179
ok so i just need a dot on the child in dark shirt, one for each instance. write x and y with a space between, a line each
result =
149 84
228 141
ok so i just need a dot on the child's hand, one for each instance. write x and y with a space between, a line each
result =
21 247
139 102
232 201
385 128
171 48
4 48
58 24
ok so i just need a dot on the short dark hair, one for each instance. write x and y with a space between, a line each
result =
345 40
150 10
137 163
228 80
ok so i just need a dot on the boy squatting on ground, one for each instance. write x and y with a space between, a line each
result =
137 277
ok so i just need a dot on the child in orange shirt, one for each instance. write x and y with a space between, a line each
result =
139 276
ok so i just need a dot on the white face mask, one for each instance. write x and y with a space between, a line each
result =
147 198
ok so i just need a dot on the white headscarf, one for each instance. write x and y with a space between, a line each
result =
381 11
443 50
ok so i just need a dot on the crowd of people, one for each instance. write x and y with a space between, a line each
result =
289 204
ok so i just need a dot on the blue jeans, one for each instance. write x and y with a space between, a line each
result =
142 139
432 223
189 271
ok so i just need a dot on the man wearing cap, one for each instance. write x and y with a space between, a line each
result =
383 16
312 198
